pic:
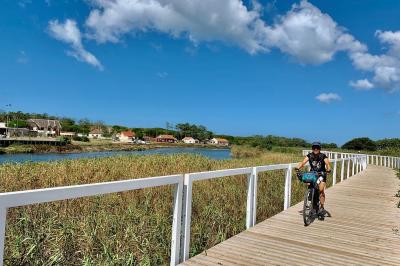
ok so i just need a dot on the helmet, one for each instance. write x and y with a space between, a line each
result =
316 145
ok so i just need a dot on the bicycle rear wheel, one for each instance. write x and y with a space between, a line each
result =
308 207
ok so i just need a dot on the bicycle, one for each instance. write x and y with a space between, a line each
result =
311 196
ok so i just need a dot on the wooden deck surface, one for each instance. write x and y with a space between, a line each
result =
364 230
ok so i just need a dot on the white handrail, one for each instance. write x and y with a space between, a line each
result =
22 198
182 205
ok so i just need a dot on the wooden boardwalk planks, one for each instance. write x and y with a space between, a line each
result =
364 230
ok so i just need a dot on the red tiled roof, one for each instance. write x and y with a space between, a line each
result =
128 133
166 137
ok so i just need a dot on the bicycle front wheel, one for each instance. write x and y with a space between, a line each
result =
308 206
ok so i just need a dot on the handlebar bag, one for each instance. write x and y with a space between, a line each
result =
309 177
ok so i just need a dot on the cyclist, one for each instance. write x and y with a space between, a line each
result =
319 162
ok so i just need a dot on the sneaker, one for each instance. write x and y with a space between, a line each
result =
321 212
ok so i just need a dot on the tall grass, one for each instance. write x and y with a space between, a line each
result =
131 228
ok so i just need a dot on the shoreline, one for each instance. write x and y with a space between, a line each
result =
79 147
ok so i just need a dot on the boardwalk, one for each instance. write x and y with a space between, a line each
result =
364 230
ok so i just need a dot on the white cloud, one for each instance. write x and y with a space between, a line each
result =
309 35
305 33
68 32
385 68
229 21
328 97
362 84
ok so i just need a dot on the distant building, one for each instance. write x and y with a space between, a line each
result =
149 139
166 138
45 127
219 141
67 134
189 140
126 136
96 134
3 129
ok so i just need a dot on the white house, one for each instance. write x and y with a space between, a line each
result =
67 134
190 140
219 141
96 134
126 136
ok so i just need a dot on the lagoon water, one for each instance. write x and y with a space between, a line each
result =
218 154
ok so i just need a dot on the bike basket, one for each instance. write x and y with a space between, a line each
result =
309 177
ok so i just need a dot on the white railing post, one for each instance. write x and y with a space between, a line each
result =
288 178
187 216
365 165
250 200
353 166
255 187
176 224
3 221
334 170
348 167
357 164
342 171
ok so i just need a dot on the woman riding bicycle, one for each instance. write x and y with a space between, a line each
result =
319 162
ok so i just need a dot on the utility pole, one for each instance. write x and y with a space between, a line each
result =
8 113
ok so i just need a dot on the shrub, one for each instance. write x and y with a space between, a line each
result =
360 144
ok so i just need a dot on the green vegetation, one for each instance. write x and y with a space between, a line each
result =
360 144
389 147
17 123
134 227
83 138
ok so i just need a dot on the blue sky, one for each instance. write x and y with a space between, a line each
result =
320 70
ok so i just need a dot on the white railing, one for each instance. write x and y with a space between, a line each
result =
182 205
28 197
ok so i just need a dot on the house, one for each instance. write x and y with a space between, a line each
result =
96 134
126 136
166 138
189 140
69 135
45 127
3 129
149 139
219 141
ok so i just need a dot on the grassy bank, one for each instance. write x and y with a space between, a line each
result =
133 227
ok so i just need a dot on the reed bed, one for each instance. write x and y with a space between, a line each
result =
131 228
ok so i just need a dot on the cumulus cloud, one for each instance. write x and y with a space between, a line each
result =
362 84
229 21
385 68
305 33
69 32
309 35
328 97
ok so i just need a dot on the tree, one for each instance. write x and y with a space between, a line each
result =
360 144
